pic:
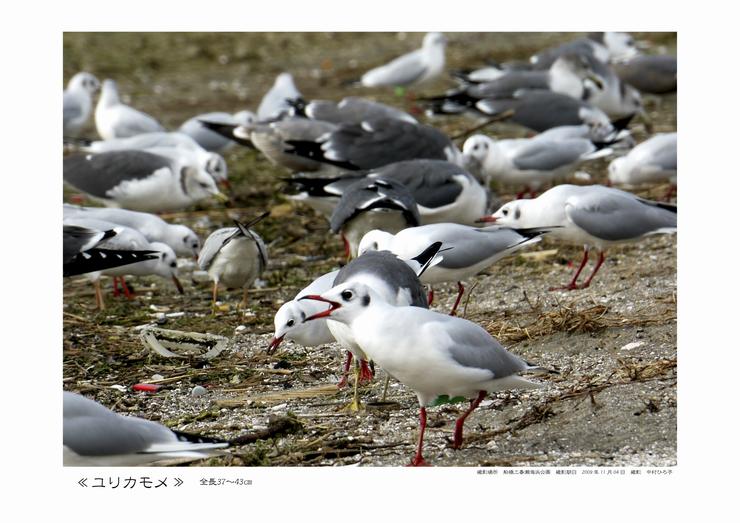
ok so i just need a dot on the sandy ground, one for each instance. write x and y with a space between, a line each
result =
613 401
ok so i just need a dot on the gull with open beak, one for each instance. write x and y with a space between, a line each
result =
440 357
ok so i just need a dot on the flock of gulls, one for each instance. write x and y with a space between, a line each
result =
412 208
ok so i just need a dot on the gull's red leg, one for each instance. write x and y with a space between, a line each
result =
116 292
345 371
458 437
418 460
598 264
572 285
126 291
430 296
365 373
460 291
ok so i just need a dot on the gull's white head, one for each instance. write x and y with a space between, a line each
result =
166 265
375 240
619 170
288 323
512 214
476 150
186 241
216 167
84 81
621 46
197 183
346 301
244 117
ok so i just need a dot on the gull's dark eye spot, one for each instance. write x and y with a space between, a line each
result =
173 265
366 300
203 184
184 240
505 212
517 214
290 323
347 295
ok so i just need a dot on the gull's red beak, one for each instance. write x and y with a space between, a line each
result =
322 314
486 219
274 344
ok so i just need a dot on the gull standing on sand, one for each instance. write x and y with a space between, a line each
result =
114 119
592 216
372 204
471 249
77 100
529 162
234 256
439 357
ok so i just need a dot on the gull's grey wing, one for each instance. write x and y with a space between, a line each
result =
353 110
96 174
473 347
549 155
370 194
404 70
613 215
90 429
76 239
538 110
507 84
472 246
387 267
655 74
213 244
431 182
666 153
376 143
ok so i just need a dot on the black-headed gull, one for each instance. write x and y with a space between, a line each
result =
372 203
176 145
527 162
592 216
234 256
77 100
471 249
289 317
654 160
414 68
182 239
395 281
139 180
94 435
437 356
114 119
443 191
375 143
164 264
351 109
82 254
